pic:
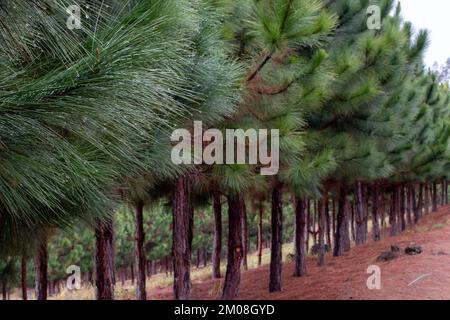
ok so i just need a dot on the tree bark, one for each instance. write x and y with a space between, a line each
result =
23 280
260 217
183 216
443 192
427 198
342 243
322 226
410 209
328 222
233 273
402 208
4 291
301 233
393 212
360 216
434 197
308 222
375 217
104 259
217 250
139 252
245 245
41 265
418 212
334 216
276 259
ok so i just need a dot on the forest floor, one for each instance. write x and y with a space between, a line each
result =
423 276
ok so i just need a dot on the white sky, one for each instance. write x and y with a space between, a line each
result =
433 15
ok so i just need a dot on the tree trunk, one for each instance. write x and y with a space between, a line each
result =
260 216
352 221
434 197
342 243
104 259
334 216
322 226
402 208
233 273
410 207
443 187
197 260
393 212
360 216
418 212
276 258
23 280
383 210
427 198
132 274
244 236
183 216
375 207
328 222
217 250
139 252
205 257
308 223
4 290
445 192
41 265
301 233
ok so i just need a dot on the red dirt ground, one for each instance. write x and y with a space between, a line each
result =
345 277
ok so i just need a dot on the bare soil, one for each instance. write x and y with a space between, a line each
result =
423 276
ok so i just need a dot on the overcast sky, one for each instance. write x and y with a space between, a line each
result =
433 15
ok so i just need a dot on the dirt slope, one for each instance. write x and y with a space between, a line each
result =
345 277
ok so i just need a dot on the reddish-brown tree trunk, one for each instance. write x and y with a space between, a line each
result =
342 243
217 249
139 252
434 197
446 192
334 216
233 273
393 212
260 217
23 280
104 259
245 245
383 210
301 233
402 208
375 216
276 256
322 226
360 216
427 198
410 207
183 216
308 222
41 265
328 222
443 187
418 212
352 221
